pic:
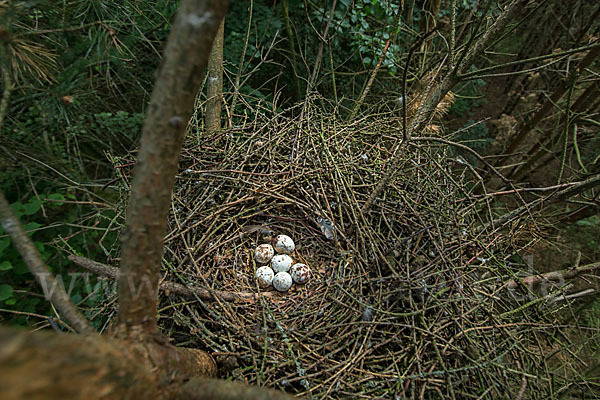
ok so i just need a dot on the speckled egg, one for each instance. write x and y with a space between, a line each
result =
300 273
263 253
281 263
264 276
283 244
282 281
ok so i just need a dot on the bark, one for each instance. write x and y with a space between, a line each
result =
8 86
214 87
171 105
46 365
40 270
198 389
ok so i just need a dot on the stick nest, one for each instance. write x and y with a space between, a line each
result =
407 299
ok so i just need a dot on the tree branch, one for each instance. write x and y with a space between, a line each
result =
163 132
440 91
40 270
171 287
214 389
553 198
552 276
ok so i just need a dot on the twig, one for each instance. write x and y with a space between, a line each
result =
8 85
553 198
539 189
238 75
313 77
440 91
569 273
171 287
586 292
531 123
367 88
461 146
475 74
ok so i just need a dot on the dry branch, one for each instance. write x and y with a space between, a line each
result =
44 365
543 201
171 287
202 388
569 273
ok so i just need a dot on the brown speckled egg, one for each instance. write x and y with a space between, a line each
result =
263 253
300 273
281 263
264 276
282 281
283 244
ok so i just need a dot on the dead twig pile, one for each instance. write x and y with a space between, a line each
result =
408 299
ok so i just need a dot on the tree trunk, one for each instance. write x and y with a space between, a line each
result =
214 86
8 86
44 365
164 129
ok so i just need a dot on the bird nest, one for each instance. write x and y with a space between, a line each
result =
406 298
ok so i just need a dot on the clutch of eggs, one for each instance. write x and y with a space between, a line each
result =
282 272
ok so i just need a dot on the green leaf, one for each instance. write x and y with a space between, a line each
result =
11 302
5 265
6 292
32 206
40 247
17 208
30 227
20 268
56 196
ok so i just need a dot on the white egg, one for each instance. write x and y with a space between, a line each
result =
281 263
264 276
300 273
263 253
284 244
282 281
